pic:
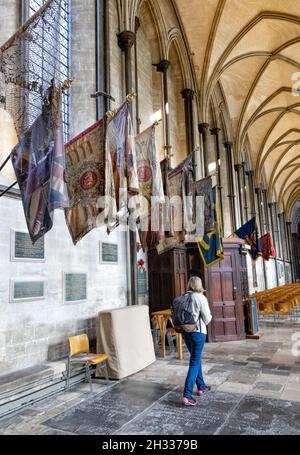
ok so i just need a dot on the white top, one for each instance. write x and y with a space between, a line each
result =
201 307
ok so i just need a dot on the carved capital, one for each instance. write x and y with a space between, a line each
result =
215 131
187 93
162 66
126 40
228 145
203 127
238 167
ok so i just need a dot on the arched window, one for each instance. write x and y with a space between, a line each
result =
53 48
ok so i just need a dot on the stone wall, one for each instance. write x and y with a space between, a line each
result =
35 331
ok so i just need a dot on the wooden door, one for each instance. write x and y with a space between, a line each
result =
180 272
224 295
167 277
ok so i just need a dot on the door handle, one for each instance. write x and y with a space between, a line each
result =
234 293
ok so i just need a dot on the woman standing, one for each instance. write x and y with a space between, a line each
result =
195 342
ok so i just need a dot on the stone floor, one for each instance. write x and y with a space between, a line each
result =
255 390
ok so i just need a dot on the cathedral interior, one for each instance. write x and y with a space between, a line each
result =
215 84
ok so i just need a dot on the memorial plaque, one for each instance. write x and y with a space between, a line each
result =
22 248
109 253
141 282
288 274
254 316
75 287
281 270
25 290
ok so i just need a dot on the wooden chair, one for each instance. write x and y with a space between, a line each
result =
79 353
161 319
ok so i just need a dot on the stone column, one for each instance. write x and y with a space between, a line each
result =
280 253
295 242
290 249
283 238
261 226
239 169
136 75
203 129
272 207
162 67
266 211
259 205
102 56
250 175
126 40
215 132
188 96
286 238
245 191
231 193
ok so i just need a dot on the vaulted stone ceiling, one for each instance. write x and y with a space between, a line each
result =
252 48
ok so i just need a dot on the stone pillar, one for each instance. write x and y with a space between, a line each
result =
239 169
126 40
260 218
215 132
102 54
281 230
136 75
250 175
286 239
266 211
259 206
203 129
272 207
162 67
245 191
290 248
188 96
295 242
231 193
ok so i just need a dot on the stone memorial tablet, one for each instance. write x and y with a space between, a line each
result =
141 282
109 253
22 248
254 316
75 287
25 290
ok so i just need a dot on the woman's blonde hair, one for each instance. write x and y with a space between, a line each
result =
195 284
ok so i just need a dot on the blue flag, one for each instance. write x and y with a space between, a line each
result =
211 246
248 232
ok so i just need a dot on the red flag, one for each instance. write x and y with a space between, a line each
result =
267 247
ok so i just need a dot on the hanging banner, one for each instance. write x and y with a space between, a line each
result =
39 164
150 187
85 178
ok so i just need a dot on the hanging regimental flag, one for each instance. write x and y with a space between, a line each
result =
24 80
267 248
85 177
211 246
150 187
177 210
38 161
248 232
120 144
204 217
188 197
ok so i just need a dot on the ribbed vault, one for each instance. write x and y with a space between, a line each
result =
252 49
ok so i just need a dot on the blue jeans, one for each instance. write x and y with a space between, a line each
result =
195 342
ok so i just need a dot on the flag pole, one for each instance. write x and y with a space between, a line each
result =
4 163
7 189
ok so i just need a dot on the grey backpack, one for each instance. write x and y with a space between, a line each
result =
182 314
